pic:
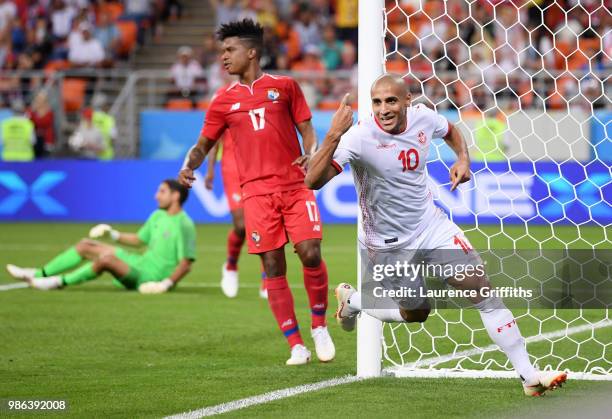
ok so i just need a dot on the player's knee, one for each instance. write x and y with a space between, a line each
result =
311 256
418 315
83 246
239 229
105 260
272 268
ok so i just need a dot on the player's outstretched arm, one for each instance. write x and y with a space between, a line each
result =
309 139
160 287
321 170
210 173
194 159
460 171
101 231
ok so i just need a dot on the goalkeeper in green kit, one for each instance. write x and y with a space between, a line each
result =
168 234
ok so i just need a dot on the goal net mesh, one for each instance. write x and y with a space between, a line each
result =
527 84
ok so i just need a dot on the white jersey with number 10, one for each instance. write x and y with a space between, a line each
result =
390 176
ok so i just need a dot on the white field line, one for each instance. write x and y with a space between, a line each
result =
477 351
106 284
306 388
15 286
25 247
264 398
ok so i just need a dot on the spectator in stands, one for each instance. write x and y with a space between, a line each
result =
306 27
107 33
185 72
18 135
88 52
5 49
87 141
18 36
40 42
61 20
311 60
42 116
141 12
346 20
209 53
8 12
267 15
271 50
230 10
331 48
105 122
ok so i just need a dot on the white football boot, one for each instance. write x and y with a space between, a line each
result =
229 282
547 380
22 274
345 316
300 355
46 283
324 346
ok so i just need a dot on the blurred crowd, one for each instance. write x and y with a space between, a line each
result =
63 34
307 38
485 53
456 54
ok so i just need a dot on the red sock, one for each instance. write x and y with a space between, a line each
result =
234 245
281 303
316 283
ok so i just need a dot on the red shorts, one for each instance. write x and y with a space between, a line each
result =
231 186
270 219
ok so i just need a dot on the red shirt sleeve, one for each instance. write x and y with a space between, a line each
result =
214 123
300 111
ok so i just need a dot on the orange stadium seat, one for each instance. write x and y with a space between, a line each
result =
73 94
56 65
113 9
328 105
203 105
129 32
179 105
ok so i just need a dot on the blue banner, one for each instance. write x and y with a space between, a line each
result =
123 191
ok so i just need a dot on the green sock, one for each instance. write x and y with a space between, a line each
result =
82 274
62 262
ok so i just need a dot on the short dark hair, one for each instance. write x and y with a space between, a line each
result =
245 29
175 186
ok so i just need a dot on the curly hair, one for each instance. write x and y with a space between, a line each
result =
246 30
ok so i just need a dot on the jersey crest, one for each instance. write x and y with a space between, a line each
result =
273 94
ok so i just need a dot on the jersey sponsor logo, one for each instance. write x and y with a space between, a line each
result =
256 237
273 94
235 106
383 146
422 137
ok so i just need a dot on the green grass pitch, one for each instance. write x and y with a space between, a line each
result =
113 353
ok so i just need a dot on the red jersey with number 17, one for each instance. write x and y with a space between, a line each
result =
261 119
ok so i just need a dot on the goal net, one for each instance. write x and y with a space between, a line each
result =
527 84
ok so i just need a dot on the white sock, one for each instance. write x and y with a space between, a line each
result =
387 315
504 331
354 302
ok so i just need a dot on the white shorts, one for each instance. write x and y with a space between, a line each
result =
441 251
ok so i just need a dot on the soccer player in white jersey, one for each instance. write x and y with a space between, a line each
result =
387 154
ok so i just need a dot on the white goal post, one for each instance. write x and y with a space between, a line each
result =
451 344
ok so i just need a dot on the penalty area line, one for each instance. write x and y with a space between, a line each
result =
265 398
